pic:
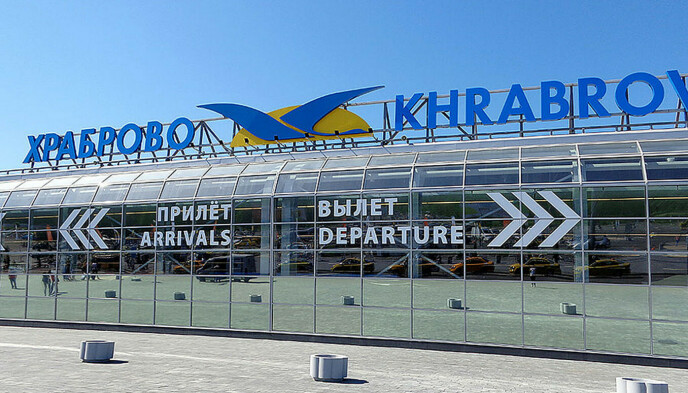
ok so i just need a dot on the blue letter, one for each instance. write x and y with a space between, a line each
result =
679 86
52 141
153 136
473 109
657 94
34 144
86 146
105 137
171 142
585 99
138 135
523 108
67 146
546 100
404 111
452 108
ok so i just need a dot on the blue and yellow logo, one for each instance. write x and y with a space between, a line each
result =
319 119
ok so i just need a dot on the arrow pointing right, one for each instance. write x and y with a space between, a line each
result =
513 227
571 219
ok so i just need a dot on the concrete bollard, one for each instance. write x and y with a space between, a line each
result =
110 294
640 385
348 300
135 279
568 308
454 303
329 368
256 298
179 296
93 351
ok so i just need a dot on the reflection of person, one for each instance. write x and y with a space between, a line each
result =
53 282
13 280
46 284
94 270
532 277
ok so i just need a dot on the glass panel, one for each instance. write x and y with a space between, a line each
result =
336 320
294 236
492 154
437 205
210 314
90 180
251 185
81 195
20 198
61 182
3 197
612 170
433 294
345 162
248 211
626 336
387 178
188 173
216 187
438 176
557 293
615 235
140 312
231 170
669 269
668 201
298 166
103 310
294 263
605 149
669 235
148 176
333 291
386 322
296 182
669 339
618 301
294 209
15 220
340 180
615 202
9 185
393 160
555 332
111 193
488 174
548 151
32 184
494 328
179 189
668 303
493 296
443 156
122 178
663 146
549 172
144 191
262 168
249 316
617 268
49 197
666 168
292 318
293 290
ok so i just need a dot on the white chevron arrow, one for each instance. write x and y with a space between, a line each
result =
513 227
64 229
92 228
79 224
543 219
570 219
79 230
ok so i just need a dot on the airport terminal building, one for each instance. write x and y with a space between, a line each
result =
571 237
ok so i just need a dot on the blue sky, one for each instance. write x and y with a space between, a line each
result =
82 64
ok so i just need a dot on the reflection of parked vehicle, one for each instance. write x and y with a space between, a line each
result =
352 265
541 265
247 242
424 267
219 266
476 265
294 267
607 267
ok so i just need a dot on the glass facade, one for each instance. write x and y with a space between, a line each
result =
581 247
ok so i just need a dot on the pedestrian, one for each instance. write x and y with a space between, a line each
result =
46 284
94 270
13 280
532 277
53 282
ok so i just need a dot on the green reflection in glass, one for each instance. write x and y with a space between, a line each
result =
173 313
338 320
12 307
210 314
555 332
292 318
494 328
331 290
13 284
71 309
140 312
96 288
242 291
617 301
293 290
103 310
211 289
670 303
249 316
546 297
438 325
383 322
167 285
670 339
618 335
138 287
40 308
434 293
40 285
493 296
387 292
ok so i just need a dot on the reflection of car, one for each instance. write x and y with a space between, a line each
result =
247 242
541 265
476 265
219 266
294 267
607 267
352 265
424 267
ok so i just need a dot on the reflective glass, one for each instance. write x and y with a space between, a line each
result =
668 201
188 173
20 198
608 149
90 180
438 176
614 202
340 180
548 151
443 156
554 332
616 268
664 146
292 318
298 166
670 269
392 160
111 193
251 185
666 168
294 209
9 185
612 170
386 322
32 184
616 335
231 170
144 191
345 162
433 205
49 197
669 339
157 175
296 182
668 235
122 178
387 178
489 174
494 328
61 182
81 195
549 172
222 186
338 320
179 189
262 168
492 154
3 197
